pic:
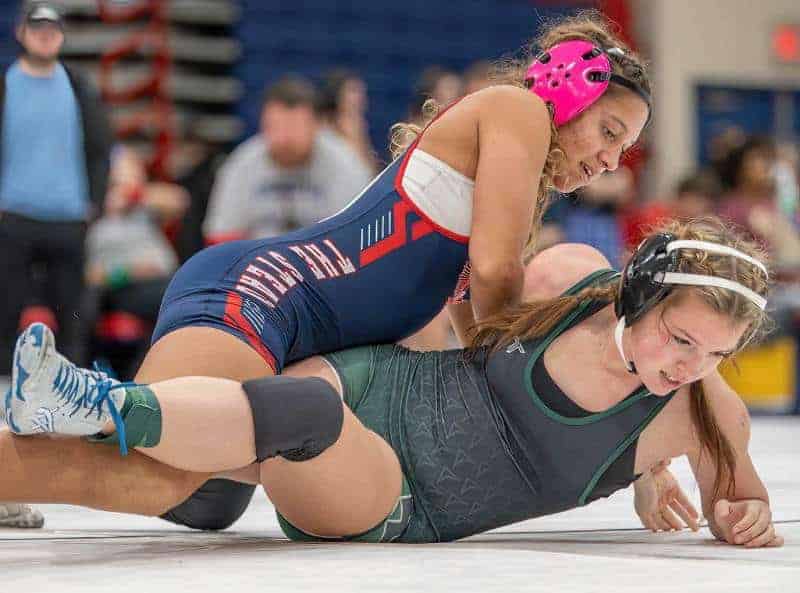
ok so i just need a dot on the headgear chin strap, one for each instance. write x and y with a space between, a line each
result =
572 75
618 340
653 270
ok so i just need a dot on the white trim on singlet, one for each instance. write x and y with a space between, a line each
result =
441 193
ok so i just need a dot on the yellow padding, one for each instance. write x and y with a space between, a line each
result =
766 375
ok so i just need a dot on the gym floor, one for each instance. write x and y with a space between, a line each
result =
597 548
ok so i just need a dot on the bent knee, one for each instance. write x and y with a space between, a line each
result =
295 418
347 490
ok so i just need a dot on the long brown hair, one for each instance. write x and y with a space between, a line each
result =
588 25
537 318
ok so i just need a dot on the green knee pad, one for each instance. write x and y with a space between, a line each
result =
141 414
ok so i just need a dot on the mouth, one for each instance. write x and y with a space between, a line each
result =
670 381
587 172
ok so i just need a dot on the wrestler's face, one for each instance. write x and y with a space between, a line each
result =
595 141
681 341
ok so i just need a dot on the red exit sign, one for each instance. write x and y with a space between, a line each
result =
786 43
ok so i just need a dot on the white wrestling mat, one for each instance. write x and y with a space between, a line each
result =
598 548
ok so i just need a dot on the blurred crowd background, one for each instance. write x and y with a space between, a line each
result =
235 119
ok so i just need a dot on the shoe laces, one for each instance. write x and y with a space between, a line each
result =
89 390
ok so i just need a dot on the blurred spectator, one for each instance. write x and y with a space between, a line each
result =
752 202
53 173
722 145
293 174
696 195
130 260
343 108
437 83
477 76
787 189
200 166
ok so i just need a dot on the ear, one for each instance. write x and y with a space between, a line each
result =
19 32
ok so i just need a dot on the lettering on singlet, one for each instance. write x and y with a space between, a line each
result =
270 275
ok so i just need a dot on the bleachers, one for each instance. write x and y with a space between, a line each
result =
388 43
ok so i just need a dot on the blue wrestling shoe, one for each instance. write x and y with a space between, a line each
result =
49 394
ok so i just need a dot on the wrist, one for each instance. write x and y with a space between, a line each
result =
645 476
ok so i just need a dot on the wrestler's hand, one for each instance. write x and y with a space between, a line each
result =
661 503
746 523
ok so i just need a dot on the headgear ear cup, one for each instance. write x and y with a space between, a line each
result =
653 271
570 76
641 287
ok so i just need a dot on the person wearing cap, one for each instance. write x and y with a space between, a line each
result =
55 143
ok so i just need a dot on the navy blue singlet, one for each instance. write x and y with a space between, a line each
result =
376 272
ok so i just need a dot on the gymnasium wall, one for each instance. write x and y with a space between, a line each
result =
704 41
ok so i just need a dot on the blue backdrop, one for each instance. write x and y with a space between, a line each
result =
388 43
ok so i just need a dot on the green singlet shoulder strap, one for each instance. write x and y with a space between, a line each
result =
596 277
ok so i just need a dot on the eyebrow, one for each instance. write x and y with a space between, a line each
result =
621 123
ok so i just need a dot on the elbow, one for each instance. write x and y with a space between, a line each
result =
494 274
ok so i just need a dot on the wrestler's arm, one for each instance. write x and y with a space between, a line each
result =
547 275
742 517
513 129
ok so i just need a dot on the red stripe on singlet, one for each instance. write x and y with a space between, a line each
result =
235 319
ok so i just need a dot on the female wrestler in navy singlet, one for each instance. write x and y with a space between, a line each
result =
384 266
471 187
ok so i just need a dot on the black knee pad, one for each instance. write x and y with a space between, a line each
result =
216 505
296 418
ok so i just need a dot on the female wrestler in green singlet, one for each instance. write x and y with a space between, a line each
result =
560 401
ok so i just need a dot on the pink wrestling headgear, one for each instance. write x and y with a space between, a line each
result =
572 75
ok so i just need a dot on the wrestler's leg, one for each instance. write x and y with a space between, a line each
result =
206 424
348 488
72 471
217 503
201 351
134 483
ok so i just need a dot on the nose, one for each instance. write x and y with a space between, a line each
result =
690 368
609 161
